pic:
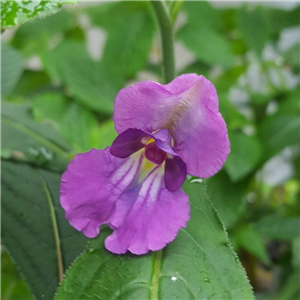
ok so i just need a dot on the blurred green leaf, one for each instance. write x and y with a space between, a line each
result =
129 39
291 289
233 118
229 78
292 57
34 228
40 35
207 45
281 18
174 9
31 82
296 252
245 153
202 13
276 226
11 68
91 83
13 287
14 13
277 132
77 124
248 237
194 266
201 34
289 105
227 197
27 140
107 133
254 26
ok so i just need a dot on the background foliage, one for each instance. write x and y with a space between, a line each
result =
58 86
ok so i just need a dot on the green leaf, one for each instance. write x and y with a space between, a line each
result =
91 83
233 118
11 68
278 132
28 140
227 197
202 35
129 39
202 13
295 252
77 124
248 237
107 133
42 34
289 105
254 26
30 83
281 18
207 44
290 290
34 228
13 286
276 226
245 153
15 13
194 266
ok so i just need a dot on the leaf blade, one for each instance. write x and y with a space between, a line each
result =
186 269
28 232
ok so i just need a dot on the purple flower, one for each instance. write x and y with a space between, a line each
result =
134 186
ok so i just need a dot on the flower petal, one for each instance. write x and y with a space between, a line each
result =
154 215
128 142
141 106
92 184
200 133
188 108
175 173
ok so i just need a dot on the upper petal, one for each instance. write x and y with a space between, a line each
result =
92 184
141 106
188 108
154 215
200 133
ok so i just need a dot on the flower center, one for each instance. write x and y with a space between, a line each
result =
154 154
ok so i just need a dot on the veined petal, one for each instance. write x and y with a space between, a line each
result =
188 108
91 185
154 215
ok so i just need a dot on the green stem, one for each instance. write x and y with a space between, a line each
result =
168 74
154 285
167 40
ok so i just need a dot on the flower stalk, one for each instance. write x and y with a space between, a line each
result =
167 40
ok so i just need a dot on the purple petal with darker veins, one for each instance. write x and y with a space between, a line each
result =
128 142
92 184
154 215
175 173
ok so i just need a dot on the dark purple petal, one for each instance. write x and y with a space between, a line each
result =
148 218
92 184
175 173
128 142
155 154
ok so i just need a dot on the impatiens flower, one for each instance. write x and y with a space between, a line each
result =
134 186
